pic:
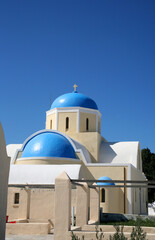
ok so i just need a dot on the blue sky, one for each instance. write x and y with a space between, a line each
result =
106 47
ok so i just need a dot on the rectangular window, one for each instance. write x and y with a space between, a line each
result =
51 124
16 198
102 195
87 124
67 123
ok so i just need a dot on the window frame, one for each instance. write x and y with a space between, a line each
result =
16 198
102 195
67 123
87 124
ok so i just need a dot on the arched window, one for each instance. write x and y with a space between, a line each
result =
51 124
102 195
87 124
67 123
16 198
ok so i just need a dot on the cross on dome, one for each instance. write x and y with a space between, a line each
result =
75 87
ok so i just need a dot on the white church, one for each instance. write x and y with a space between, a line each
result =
72 142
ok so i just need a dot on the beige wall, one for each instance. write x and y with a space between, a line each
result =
48 161
111 204
72 122
17 211
91 141
42 204
35 204
49 125
139 197
115 173
92 122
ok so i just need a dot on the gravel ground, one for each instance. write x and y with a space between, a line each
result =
30 237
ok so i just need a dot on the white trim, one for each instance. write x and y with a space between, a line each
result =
49 112
73 109
107 165
129 191
81 152
78 121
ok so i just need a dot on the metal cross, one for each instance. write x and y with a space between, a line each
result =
75 87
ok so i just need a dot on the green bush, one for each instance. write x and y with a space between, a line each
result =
74 237
99 233
137 232
143 222
119 235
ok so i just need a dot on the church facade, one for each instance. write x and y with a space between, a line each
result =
72 142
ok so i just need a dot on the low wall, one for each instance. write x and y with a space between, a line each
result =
27 228
89 232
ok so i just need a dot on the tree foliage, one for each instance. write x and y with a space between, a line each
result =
148 160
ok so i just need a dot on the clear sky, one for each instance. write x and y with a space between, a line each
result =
106 47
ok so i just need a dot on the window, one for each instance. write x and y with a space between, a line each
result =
143 195
87 124
51 124
67 123
16 199
102 195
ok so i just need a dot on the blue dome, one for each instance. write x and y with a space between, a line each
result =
48 144
104 183
74 100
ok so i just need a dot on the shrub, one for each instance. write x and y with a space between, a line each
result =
99 233
74 237
137 232
119 235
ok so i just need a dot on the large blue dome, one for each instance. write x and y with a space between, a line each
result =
48 144
105 183
74 100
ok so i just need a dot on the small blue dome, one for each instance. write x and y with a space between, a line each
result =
48 144
74 100
105 183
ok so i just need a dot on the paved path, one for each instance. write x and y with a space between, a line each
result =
30 237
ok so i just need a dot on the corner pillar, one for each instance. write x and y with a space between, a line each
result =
82 205
94 204
62 206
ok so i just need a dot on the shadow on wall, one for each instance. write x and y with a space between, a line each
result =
106 152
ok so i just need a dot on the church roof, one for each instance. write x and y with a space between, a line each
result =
120 153
42 174
105 183
74 99
48 144
12 150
